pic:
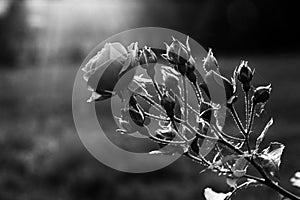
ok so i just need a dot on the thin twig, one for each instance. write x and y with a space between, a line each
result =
247 110
185 99
236 118
251 117
198 93
152 102
157 88
156 117
249 128
199 134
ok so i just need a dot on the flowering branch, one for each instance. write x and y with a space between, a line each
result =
186 131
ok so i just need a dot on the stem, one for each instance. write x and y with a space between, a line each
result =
243 185
155 117
185 99
248 144
260 180
157 88
249 128
266 181
193 110
223 134
176 129
251 118
155 105
165 141
199 134
236 119
196 159
247 109
198 93
281 190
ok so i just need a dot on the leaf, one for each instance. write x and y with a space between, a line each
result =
263 133
247 183
295 180
209 194
232 182
259 109
270 158
170 150
219 84
229 158
162 152
240 167
194 147
220 116
126 127
223 160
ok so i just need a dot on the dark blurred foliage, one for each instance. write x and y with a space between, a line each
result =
14 33
230 26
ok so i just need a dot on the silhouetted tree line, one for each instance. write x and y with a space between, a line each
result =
14 33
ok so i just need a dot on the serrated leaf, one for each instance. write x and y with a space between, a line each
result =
270 158
209 194
263 134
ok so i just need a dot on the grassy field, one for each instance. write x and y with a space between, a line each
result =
42 157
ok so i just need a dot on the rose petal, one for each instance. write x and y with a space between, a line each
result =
105 77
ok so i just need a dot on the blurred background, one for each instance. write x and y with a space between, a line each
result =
42 45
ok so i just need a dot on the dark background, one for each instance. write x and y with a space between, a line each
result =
42 45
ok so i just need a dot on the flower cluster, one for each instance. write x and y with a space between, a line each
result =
194 130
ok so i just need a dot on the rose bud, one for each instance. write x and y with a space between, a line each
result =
105 69
168 103
178 54
131 122
147 60
147 56
190 72
137 116
244 74
219 83
171 80
261 94
140 105
210 62
136 111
